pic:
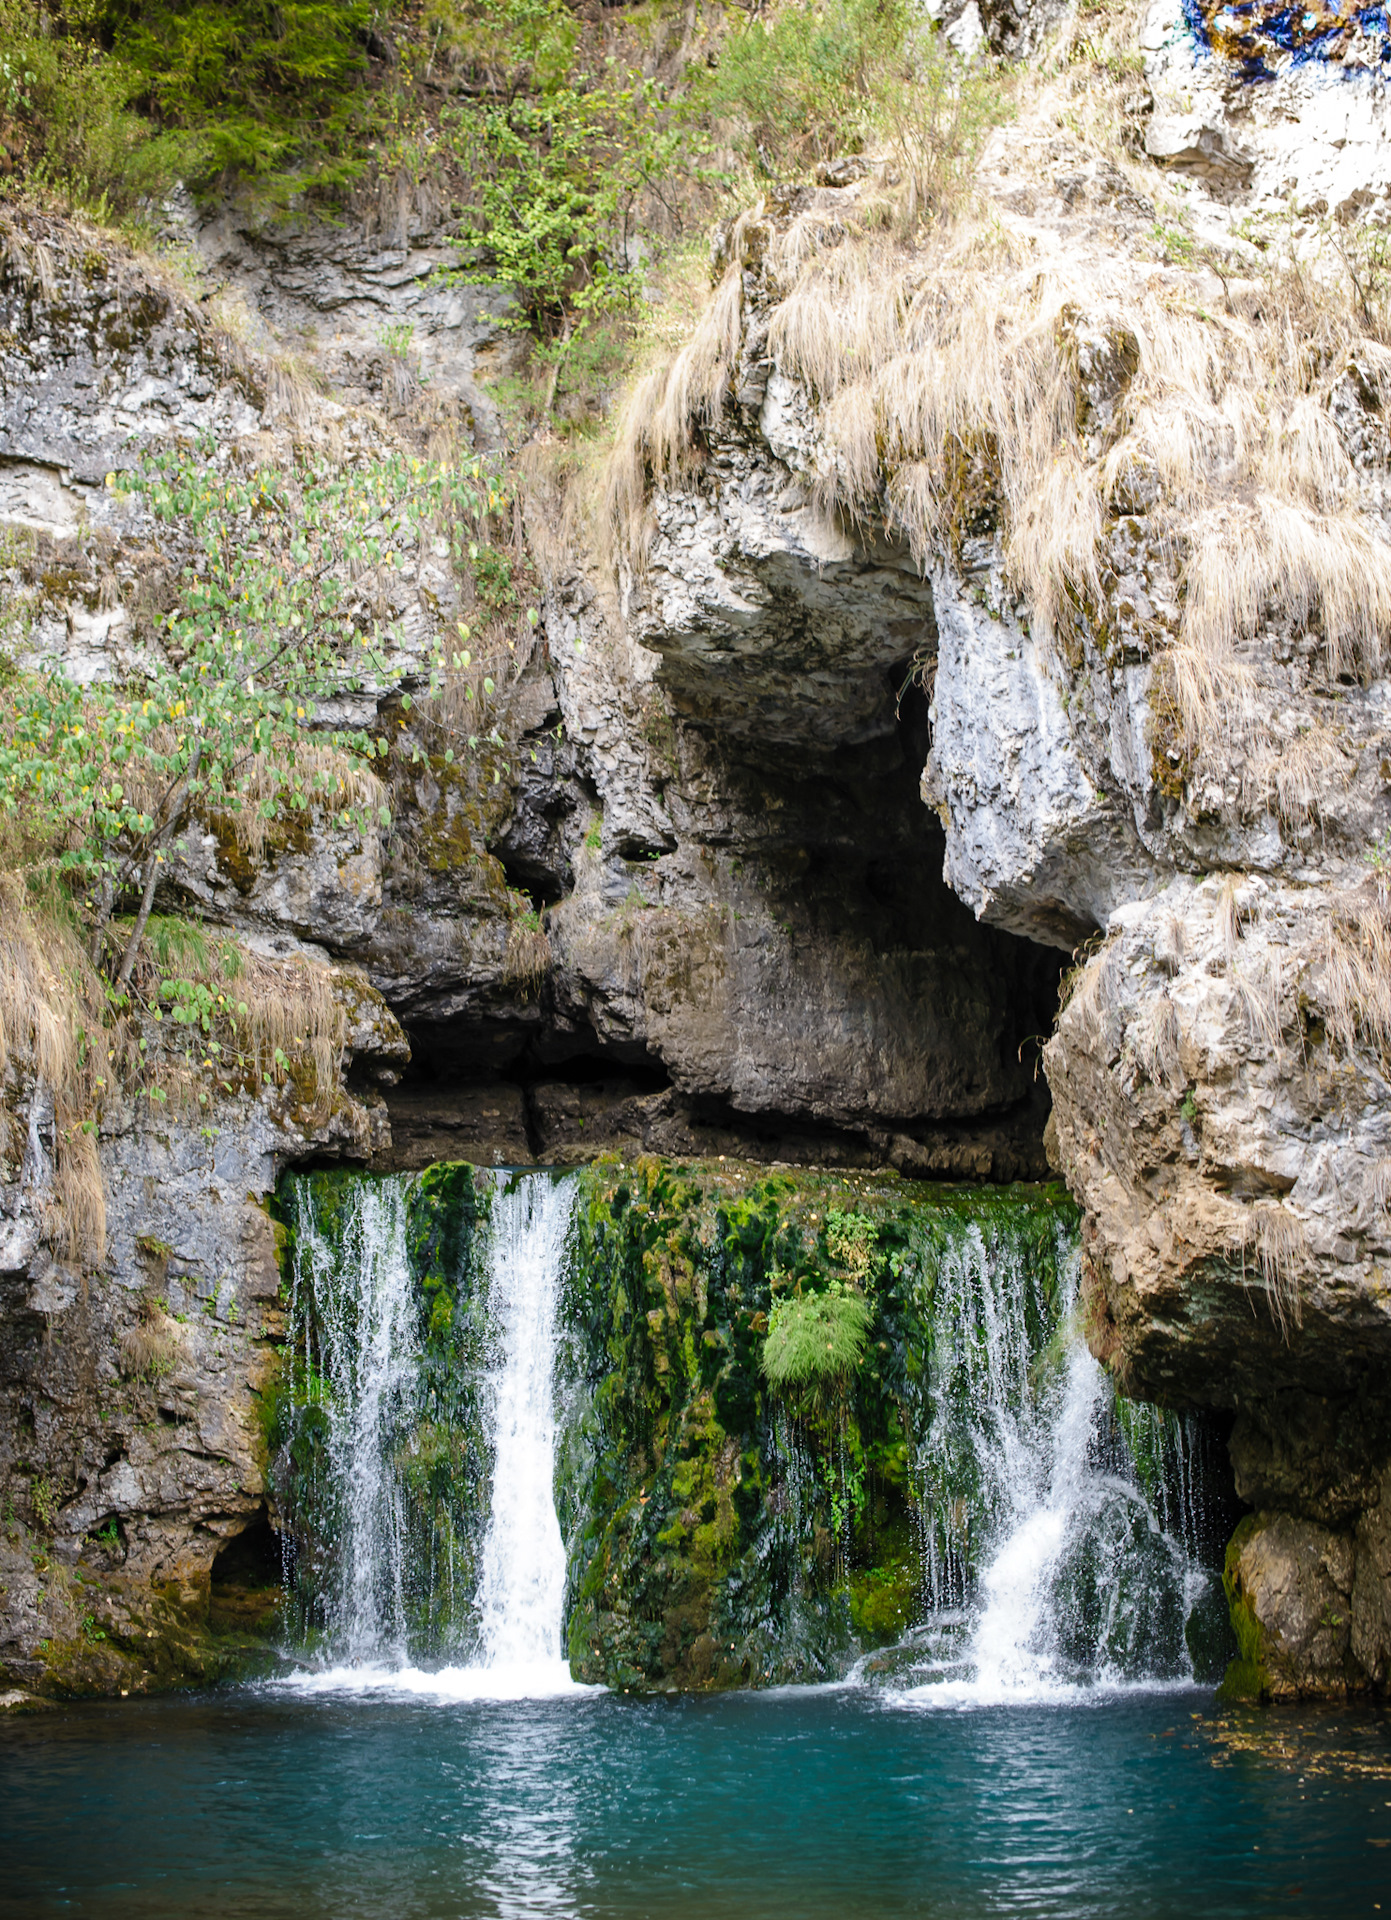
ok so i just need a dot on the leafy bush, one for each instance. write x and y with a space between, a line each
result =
65 118
100 780
816 1340
270 91
805 82
817 81
557 180
108 100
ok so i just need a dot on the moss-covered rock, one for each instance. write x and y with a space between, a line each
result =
724 1531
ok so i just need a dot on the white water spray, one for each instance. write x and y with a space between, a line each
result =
367 1317
1078 1580
366 1333
522 1590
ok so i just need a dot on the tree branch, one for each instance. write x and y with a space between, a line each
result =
142 919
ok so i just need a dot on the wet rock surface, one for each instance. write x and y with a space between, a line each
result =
778 850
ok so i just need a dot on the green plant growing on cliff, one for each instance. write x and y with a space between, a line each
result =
815 82
816 1340
43 1502
66 120
852 1240
558 178
103 779
528 946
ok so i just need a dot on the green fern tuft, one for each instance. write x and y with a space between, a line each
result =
816 1340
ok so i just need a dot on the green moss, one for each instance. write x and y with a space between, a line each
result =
1246 1677
725 1526
884 1598
816 1340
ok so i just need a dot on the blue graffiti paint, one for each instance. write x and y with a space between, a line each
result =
1262 40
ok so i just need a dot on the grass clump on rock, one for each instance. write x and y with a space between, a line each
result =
816 1340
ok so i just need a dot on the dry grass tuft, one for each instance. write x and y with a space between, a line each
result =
1157 1041
1261 996
148 1349
293 1014
1229 917
52 1010
1380 1193
1279 1241
333 782
670 406
528 957
1354 967
1307 768
1170 943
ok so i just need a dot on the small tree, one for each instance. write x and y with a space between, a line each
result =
100 781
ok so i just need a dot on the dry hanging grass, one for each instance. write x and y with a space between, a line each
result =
1354 969
52 1010
1157 1041
292 1011
149 1348
332 781
951 385
528 958
1306 769
1278 1240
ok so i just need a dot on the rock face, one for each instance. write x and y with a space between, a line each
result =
130 1434
1146 750
622 927
777 835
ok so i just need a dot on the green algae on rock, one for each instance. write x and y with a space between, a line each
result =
722 1531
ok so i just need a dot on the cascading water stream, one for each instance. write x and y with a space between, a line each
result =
361 1325
1059 1529
522 1590
363 1371
1046 1562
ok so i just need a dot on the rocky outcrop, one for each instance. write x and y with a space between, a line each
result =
774 838
131 1441
619 926
1169 751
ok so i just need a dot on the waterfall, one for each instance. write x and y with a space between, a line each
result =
1047 1561
415 1447
361 1371
522 1590
425 1417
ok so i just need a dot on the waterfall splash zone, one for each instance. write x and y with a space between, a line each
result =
525 1435
524 1418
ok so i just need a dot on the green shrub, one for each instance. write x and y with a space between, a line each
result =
65 118
108 100
805 83
818 81
557 180
816 1340
271 92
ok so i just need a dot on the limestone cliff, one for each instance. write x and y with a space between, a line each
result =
977 596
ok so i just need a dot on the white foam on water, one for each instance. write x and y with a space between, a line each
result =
444 1686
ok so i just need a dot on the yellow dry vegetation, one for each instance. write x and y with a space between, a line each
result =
51 1006
62 1042
953 373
